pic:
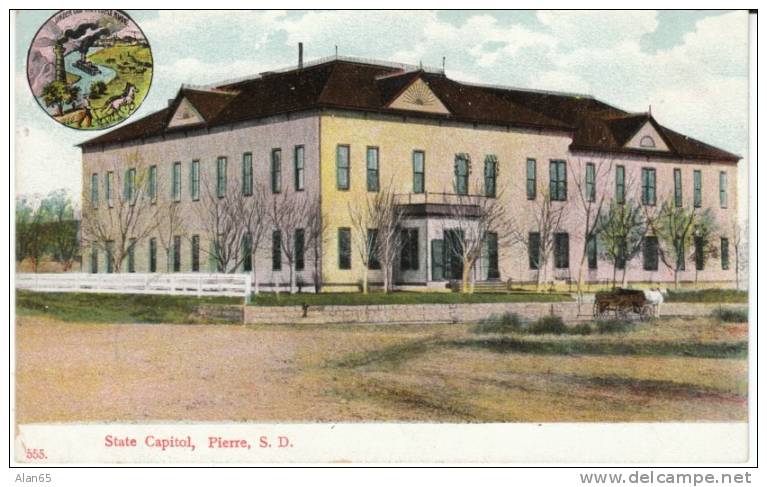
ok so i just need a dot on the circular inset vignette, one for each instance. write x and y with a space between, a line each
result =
89 69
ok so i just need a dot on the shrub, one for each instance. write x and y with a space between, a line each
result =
581 329
731 315
505 323
548 324
614 326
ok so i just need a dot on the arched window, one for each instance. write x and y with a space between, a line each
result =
646 141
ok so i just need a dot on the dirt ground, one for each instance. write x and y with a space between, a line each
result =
121 372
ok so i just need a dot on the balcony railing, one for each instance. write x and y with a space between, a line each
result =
437 198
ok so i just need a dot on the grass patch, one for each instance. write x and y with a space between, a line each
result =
592 347
548 325
707 296
730 315
508 323
114 308
403 297
614 326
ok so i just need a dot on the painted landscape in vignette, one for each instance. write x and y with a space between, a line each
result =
454 217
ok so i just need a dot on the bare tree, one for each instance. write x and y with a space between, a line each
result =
363 217
316 239
171 221
387 221
544 217
251 212
218 215
591 197
472 217
118 222
287 214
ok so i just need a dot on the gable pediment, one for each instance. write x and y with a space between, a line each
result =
647 138
185 114
419 97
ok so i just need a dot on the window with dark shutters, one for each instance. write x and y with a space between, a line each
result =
650 253
534 249
437 260
561 250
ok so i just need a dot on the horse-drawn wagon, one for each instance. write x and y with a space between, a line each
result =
622 302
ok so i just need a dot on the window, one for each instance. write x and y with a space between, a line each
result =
372 174
344 248
373 262
342 167
176 182
650 253
130 186
247 255
648 186
534 249
700 257
152 184
491 171
276 170
276 250
678 187
697 183
221 177
620 258
94 261
680 260
725 253
620 184
591 184
722 189
247 174
110 257
95 190
561 250
409 253
195 253
646 141
461 173
591 251
152 255
558 180
176 253
194 183
531 179
437 260
298 167
109 181
132 255
489 258
419 170
298 248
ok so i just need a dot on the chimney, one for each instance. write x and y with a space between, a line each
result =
300 55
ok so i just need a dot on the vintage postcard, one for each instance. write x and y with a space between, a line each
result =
249 237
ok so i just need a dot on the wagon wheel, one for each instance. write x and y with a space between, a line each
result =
621 312
600 310
646 312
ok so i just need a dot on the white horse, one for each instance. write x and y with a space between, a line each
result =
116 103
655 298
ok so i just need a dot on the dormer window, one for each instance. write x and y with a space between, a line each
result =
647 141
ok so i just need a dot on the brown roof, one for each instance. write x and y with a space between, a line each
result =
372 87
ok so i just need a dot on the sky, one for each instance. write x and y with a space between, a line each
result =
691 67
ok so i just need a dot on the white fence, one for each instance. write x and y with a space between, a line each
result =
180 284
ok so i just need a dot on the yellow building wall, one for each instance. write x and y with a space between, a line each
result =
396 139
